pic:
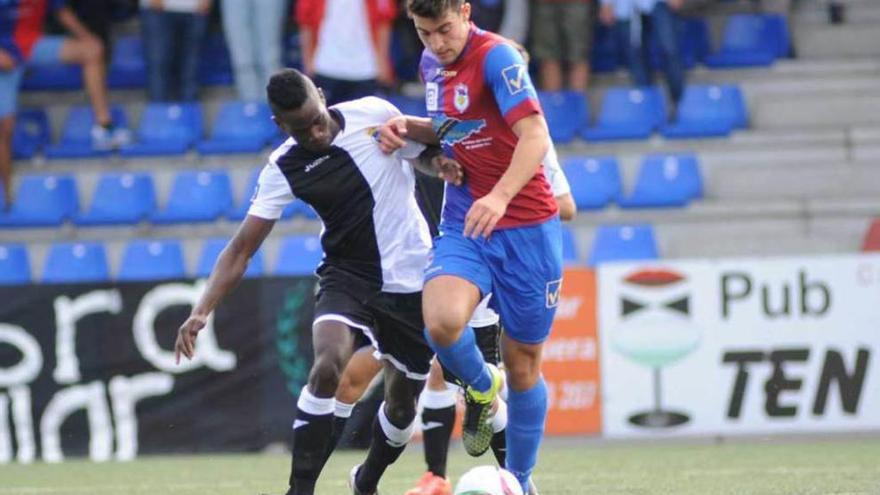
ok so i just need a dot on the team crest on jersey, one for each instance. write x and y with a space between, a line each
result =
461 99
516 78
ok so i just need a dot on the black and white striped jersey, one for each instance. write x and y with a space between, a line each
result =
372 225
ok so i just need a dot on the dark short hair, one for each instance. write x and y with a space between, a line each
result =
288 89
432 9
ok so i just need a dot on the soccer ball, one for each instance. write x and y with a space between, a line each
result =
488 480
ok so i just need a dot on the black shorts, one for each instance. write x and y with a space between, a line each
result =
392 322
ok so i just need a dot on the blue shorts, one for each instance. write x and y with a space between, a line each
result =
46 51
521 267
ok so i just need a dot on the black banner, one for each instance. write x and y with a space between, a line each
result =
89 369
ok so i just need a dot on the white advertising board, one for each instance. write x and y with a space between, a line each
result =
740 346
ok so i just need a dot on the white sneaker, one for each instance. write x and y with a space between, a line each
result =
121 137
102 138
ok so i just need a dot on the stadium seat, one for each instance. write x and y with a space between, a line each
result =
76 135
166 129
623 242
628 113
146 259
409 106
708 111
31 133
128 68
15 267
196 196
211 251
570 254
240 127
120 198
666 181
751 40
872 237
299 255
567 114
52 77
42 201
71 262
595 181
215 67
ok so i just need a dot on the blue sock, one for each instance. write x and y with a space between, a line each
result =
526 412
464 359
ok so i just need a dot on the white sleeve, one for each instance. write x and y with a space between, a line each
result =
273 194
411 150
558 183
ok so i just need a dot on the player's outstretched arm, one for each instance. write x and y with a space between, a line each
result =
534 140
434 163
393 132
227 273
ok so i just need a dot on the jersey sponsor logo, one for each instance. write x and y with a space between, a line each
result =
453 131
461 100
554 287
315 163
444 73
515 76
432 96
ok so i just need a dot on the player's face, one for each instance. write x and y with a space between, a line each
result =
446 35
311 125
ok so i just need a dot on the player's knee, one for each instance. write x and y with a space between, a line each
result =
401 413
444 329
523 374
325 375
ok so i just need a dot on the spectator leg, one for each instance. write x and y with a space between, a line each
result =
192 36
240 30
664 24
270 15
156 32
89 53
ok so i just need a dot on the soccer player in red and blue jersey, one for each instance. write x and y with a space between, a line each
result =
500 231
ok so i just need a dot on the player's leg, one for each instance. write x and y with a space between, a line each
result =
487 327
360 371
332 342
392 429
438 419
527 270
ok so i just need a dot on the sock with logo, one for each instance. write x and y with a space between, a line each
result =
464 360
311 438
438 419
526 413
499 438
387 445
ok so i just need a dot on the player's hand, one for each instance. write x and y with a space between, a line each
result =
186 336
391 135
484 215
606 14
7 62
448 169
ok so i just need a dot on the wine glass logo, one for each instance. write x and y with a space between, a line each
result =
656 330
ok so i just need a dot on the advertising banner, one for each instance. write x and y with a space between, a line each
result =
90 369
740 346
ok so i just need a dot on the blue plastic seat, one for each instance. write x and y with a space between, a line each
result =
120 198
299 255
211 251
751 40
52 77
567 114
570 253
196 196
42 201
31 133
595 181
15 267
145 259
240 127
622 243
76 136
666 181
215 66
128 67
628 113
166 129
70 262
708 111
409 106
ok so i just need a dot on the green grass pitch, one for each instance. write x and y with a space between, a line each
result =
570 466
